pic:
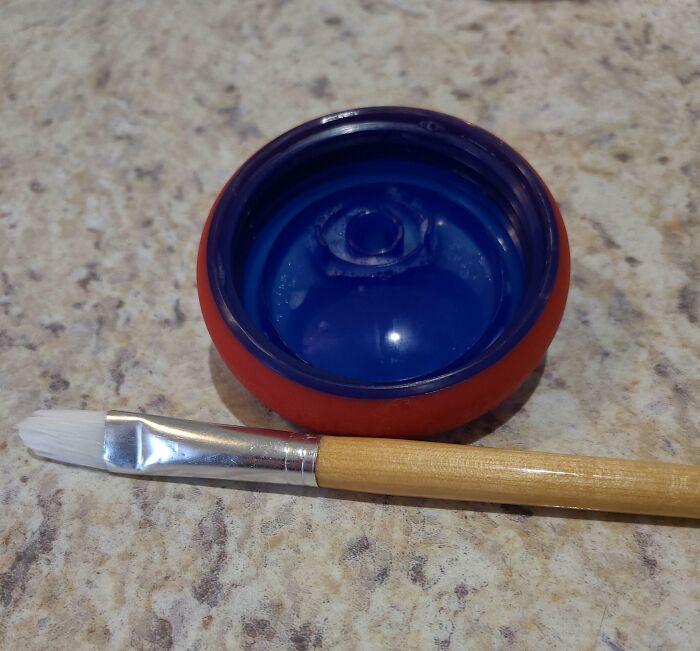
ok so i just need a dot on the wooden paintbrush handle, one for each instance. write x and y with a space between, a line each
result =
479 474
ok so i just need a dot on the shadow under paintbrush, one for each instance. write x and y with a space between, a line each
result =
518 513
515 512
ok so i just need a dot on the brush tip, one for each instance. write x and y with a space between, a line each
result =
67 435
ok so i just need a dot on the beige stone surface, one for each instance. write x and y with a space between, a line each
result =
119 122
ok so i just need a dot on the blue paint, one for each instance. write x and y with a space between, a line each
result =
391 249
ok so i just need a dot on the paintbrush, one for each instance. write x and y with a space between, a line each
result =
138 444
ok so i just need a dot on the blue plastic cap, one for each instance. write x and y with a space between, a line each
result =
383 246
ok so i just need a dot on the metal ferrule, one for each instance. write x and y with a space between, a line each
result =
155 445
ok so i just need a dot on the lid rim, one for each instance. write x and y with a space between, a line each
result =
240 326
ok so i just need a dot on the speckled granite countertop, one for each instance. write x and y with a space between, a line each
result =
120 122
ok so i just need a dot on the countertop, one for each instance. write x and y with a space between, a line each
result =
121 121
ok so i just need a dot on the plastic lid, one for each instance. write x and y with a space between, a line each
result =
382 248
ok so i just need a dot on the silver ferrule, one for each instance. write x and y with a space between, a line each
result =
155 445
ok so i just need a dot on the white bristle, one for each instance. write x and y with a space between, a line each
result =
67 435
